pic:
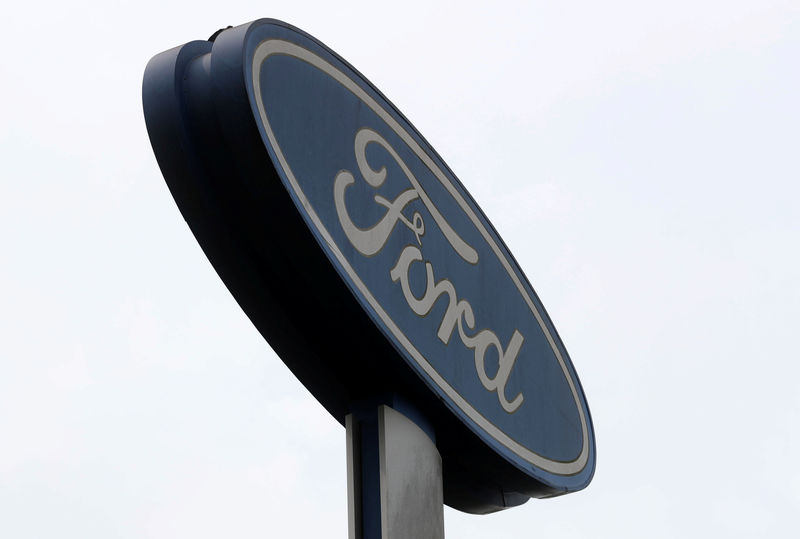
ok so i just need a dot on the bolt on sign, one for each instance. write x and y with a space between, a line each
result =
362 259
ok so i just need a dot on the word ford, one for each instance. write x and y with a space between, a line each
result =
459 312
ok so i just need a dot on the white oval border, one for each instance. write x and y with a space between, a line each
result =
278 46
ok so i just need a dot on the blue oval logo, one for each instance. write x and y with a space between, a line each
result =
420 256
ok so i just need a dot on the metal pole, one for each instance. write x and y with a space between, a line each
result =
394 477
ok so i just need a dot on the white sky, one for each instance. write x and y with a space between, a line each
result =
640 161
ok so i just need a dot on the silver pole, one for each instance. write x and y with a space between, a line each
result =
394 478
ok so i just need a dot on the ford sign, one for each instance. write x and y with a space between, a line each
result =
363 260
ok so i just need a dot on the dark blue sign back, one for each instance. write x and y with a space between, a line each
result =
409 243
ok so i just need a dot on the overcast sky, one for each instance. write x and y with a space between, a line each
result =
641 162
